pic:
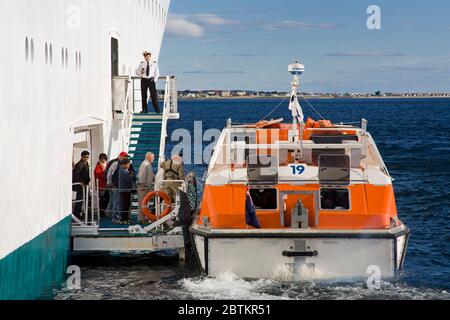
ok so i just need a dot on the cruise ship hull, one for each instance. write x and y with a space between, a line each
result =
58 62
33 268
302 255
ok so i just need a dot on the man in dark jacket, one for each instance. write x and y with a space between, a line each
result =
112 183
81 179
126 186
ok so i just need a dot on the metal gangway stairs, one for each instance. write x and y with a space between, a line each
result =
146 133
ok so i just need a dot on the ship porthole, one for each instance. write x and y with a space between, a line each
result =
62 57
32 50
51 54
27 49
67 58
46 53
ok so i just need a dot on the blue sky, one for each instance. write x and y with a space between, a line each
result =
247 44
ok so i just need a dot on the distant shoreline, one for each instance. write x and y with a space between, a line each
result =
310 98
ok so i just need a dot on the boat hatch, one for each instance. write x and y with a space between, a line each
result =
262 170
333 139
334 169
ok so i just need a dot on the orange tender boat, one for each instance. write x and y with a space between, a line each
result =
299 201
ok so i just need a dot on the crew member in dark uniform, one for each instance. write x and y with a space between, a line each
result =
149 72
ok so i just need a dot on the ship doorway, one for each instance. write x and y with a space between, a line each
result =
82 142
85 138
114 57
89 138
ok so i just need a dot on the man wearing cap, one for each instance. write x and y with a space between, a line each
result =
149 72
112 182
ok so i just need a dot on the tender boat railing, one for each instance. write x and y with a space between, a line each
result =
232 150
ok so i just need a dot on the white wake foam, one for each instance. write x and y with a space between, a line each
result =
229 286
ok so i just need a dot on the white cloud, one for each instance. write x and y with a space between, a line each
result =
179 25
365 54
213 20
195 25
299 25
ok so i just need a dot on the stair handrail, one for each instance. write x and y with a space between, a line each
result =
166 112
128 116
90 201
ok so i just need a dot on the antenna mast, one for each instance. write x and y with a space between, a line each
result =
296 69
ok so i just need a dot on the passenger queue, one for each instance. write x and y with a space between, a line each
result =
118 182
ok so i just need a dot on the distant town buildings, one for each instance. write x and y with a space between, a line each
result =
189 94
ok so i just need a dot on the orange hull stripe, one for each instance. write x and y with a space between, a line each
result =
372 207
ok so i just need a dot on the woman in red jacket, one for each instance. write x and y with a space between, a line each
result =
100 177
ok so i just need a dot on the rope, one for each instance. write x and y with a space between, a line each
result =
314 109
301 96
273 110
126 190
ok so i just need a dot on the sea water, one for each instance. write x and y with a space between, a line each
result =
413 136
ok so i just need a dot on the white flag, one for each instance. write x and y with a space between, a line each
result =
296 109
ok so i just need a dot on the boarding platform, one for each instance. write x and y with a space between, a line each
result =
147 133
104 235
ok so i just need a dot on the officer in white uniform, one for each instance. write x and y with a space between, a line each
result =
149 72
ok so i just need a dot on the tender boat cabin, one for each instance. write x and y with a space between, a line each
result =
334 178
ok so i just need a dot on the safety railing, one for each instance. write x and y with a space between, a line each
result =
122 106
90 210
157 225
76 201
170 109
166 112
170 94
127 120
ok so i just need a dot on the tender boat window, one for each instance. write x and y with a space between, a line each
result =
334 199
262 170
264 199
334 169
316 153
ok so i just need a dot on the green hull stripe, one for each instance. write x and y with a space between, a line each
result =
35 267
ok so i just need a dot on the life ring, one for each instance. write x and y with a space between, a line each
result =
167 201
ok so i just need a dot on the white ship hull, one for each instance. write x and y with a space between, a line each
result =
302 255
58 58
